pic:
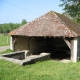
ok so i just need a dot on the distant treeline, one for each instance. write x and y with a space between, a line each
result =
7 27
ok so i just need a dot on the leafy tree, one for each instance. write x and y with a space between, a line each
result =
66 14
23 22
1 30
7 27
72 7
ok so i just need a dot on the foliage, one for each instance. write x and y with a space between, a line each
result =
67 15
23 22
7 27
72 7
4 40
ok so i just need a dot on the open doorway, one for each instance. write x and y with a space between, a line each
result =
60 50
55 46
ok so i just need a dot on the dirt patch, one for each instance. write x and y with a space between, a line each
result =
3 48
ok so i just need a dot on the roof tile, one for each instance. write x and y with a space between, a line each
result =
50 24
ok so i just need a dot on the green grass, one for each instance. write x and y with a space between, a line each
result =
4 40
45 70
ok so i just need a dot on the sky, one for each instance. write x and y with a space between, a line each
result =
15 11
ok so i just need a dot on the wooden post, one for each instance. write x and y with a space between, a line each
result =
67 42
11 43
74 50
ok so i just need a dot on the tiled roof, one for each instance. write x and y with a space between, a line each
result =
50 24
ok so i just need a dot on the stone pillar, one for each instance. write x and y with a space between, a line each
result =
11 43
74 50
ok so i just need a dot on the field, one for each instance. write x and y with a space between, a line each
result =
4 40
46 70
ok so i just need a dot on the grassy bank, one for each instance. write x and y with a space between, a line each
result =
46 70
4 40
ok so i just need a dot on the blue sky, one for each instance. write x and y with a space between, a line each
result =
16 10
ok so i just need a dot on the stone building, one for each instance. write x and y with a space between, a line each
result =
52 32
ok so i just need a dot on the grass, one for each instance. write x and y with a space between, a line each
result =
46 70
4 40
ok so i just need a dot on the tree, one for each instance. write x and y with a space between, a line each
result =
1 30
7 27
67 15
72 7
23 22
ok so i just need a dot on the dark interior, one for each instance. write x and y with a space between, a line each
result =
56 46
20 55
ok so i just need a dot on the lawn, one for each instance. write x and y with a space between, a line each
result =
4 40
45 70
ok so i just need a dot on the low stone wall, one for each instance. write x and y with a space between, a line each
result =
16 55
34 58
22 58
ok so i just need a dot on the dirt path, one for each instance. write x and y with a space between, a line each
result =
3 48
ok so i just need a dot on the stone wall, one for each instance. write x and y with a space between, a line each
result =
37 45
27 43
21 43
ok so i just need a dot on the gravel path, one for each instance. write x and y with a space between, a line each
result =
3 48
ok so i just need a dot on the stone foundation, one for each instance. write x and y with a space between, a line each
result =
23 57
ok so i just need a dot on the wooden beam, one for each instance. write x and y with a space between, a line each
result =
67 42
11 43
14 40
